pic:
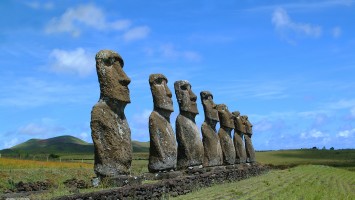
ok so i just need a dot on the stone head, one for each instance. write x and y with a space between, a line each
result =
185 97
113 80
209 107
225 117
160 92
236 114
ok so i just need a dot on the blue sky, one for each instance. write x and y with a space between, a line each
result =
289 65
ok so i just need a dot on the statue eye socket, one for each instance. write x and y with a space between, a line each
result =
158 81
183 87
109 61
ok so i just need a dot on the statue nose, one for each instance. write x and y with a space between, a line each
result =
168 92
125 81
193 97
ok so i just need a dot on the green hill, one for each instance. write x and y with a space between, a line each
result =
63 145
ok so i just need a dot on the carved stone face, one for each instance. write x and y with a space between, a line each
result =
185 97
113 80
236 113
225 117
209 107
160 92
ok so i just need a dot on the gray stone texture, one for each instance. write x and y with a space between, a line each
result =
163 148
190 147
239 131
224 133
109 128
247 138
211 145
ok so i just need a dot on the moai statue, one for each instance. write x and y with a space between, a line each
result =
211 145
163 149
247 137
239 131
190 147
224 133
109 128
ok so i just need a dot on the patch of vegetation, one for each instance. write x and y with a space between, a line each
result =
302 182
290 158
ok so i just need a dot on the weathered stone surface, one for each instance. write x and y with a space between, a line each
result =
109 128
211 145
190 147
239 130
163 148
224 133
247 137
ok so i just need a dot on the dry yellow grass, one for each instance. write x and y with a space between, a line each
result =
9 163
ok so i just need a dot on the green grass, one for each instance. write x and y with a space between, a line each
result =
336 158
291 182
302 182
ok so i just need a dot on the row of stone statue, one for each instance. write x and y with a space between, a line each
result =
112 136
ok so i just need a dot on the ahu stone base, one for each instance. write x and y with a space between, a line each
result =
176 183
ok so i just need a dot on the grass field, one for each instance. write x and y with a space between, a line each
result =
302 182
336 158
291 181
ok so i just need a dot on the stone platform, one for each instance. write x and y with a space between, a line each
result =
185 181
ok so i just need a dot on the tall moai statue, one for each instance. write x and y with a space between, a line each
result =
163 149
247 137
190 147
211 145
224 133
239 131
109 128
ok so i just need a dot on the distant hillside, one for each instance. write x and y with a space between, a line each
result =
63 145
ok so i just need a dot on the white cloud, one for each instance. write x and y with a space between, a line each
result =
353 112
346 133
87 15
341 104
136 33
139 125
314 133
84 136
45 127
305 5
77 61
10 143
336 32
263 125
283 24
38 5
30 92
169 51
142 118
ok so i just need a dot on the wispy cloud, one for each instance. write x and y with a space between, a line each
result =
304 6
39 5
245 89
77 61
314 133
336 32
346 133
31 92
11 142
139 125
286 26
40 129
73 20
136 33
170 51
